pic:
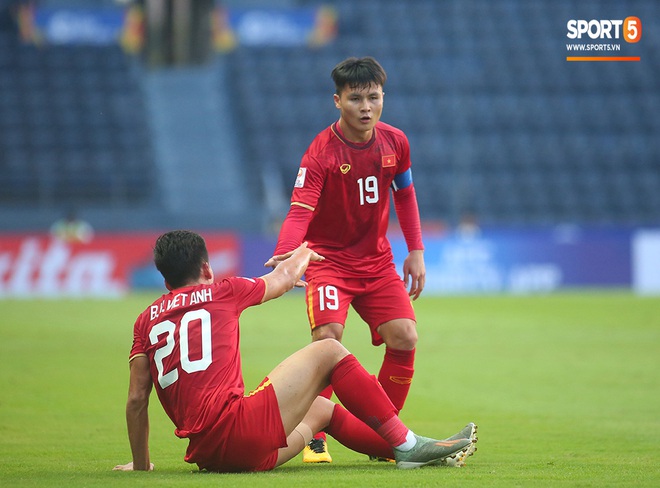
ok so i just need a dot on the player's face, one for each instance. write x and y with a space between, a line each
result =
360 109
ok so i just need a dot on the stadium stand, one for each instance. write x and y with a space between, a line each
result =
500 125
73 126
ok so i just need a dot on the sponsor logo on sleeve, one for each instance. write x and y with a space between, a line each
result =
300 179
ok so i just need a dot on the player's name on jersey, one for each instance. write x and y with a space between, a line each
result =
181 300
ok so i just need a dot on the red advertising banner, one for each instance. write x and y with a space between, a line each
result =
38 265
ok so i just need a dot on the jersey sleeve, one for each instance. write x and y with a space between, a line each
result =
405 199
407 211
139 348
247 292
404 155
293 229
309 183
304 198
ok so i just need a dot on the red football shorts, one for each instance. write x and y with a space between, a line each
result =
376 300
245 438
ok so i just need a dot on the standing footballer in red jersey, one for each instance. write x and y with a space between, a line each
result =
186 345
340 205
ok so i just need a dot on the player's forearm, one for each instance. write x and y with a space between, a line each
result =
407 211
137 421
293 229
292 269
288 272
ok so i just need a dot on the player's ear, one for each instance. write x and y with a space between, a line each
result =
337 100
207 271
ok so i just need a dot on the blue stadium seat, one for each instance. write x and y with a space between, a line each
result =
62 109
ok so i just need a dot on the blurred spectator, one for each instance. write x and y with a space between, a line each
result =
468 226
72 229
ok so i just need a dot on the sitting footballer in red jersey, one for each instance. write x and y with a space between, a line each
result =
186 346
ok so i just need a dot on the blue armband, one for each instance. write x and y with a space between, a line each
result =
402 180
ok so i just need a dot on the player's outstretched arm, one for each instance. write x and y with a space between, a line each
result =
137 415
288 271
292 233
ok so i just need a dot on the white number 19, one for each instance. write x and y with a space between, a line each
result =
368 189
328 298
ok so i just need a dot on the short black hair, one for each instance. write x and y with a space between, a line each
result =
179 256
358 73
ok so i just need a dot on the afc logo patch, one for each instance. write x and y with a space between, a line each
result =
388 161
300 179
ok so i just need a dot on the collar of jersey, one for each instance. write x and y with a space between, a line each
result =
366 145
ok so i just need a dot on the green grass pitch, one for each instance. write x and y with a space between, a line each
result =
565 389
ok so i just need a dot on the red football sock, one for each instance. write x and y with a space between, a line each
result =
363 396
396 374
356 435
326 393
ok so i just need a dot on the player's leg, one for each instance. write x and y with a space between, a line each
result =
316 419
300 378
386 307
328 300
316 451
327 307
333 330
356 435
341 424
398 368
364 398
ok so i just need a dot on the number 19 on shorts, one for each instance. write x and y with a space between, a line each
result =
328 298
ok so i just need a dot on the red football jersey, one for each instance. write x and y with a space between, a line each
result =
347 185
191 338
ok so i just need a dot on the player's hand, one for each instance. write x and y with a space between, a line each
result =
129 467
274 261
414 273
277 259
313 255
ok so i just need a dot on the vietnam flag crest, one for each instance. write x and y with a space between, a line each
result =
389 161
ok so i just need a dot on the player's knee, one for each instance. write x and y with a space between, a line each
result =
399 334
405 342
410 333
334 345
332 349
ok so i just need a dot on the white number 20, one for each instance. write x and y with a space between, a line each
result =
168 327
